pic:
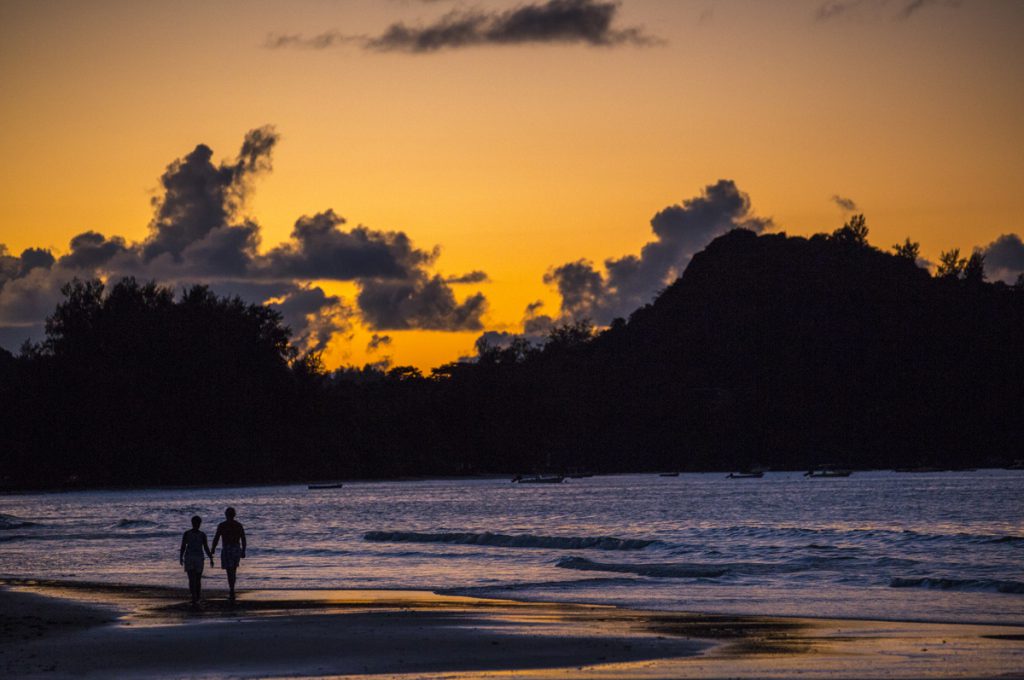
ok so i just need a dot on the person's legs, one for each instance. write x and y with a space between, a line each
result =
231 582
192 588
199 586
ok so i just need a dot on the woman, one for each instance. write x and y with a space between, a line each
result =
193 545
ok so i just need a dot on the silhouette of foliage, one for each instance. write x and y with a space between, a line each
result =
910 250
777 350
951 265
854 232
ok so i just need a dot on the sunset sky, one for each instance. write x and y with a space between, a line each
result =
514 136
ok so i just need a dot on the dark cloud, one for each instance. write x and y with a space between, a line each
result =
32 258
320 41
896 9
425 303
92 250
320 249
198 235
317 316
199 196
587 22
631 281
475 276
1004 258
846 204
377 343
536 324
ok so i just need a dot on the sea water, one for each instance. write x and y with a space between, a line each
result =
945 546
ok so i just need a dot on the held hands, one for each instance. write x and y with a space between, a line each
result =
242 556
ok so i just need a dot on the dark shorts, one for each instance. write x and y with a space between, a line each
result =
230 556
194 563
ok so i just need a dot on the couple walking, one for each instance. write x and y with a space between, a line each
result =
195 549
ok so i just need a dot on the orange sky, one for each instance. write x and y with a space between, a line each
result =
516 158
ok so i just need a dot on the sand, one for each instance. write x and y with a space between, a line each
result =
57 630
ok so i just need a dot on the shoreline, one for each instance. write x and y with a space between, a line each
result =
55 628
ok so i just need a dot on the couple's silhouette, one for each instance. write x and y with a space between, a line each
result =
195 549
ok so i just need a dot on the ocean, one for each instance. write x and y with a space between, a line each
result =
943 546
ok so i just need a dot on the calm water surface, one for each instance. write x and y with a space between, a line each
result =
931 546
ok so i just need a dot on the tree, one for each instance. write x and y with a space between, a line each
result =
569 334
974 269
854 232
951 265
910 250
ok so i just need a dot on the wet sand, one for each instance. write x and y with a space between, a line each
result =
55 629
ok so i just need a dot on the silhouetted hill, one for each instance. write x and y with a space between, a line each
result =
803 350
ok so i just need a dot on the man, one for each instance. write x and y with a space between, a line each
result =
234 547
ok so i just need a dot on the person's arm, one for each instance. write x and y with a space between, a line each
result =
181 550
216 539
243 540
206 547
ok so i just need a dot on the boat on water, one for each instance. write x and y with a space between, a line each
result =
828 471
669 474
319 487
756 474
538 479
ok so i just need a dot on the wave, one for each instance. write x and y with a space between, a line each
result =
967 584
10 522
85 537
1006 539
814 535
134 524
510 541
714 570
659 570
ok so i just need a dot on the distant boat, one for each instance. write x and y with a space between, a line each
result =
920 469
318 487
669 474
537 479
828 471
745 475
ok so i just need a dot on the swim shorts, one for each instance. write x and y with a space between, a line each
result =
230 556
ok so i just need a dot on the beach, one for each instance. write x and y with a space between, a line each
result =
64 629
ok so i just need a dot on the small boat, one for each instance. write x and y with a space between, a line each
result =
828 471
537 479
669 474
745 475
318 487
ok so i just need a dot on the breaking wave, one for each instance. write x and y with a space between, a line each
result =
135 524
659 570
967 584
512 541
9 522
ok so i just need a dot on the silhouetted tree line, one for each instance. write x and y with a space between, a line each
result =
770 350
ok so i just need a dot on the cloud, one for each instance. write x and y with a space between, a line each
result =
475 276
1004 258
846 204
199 196
318 316
92 250
377 343
198 234
587 22
320 249
424 303
897 9
320 41
632 280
